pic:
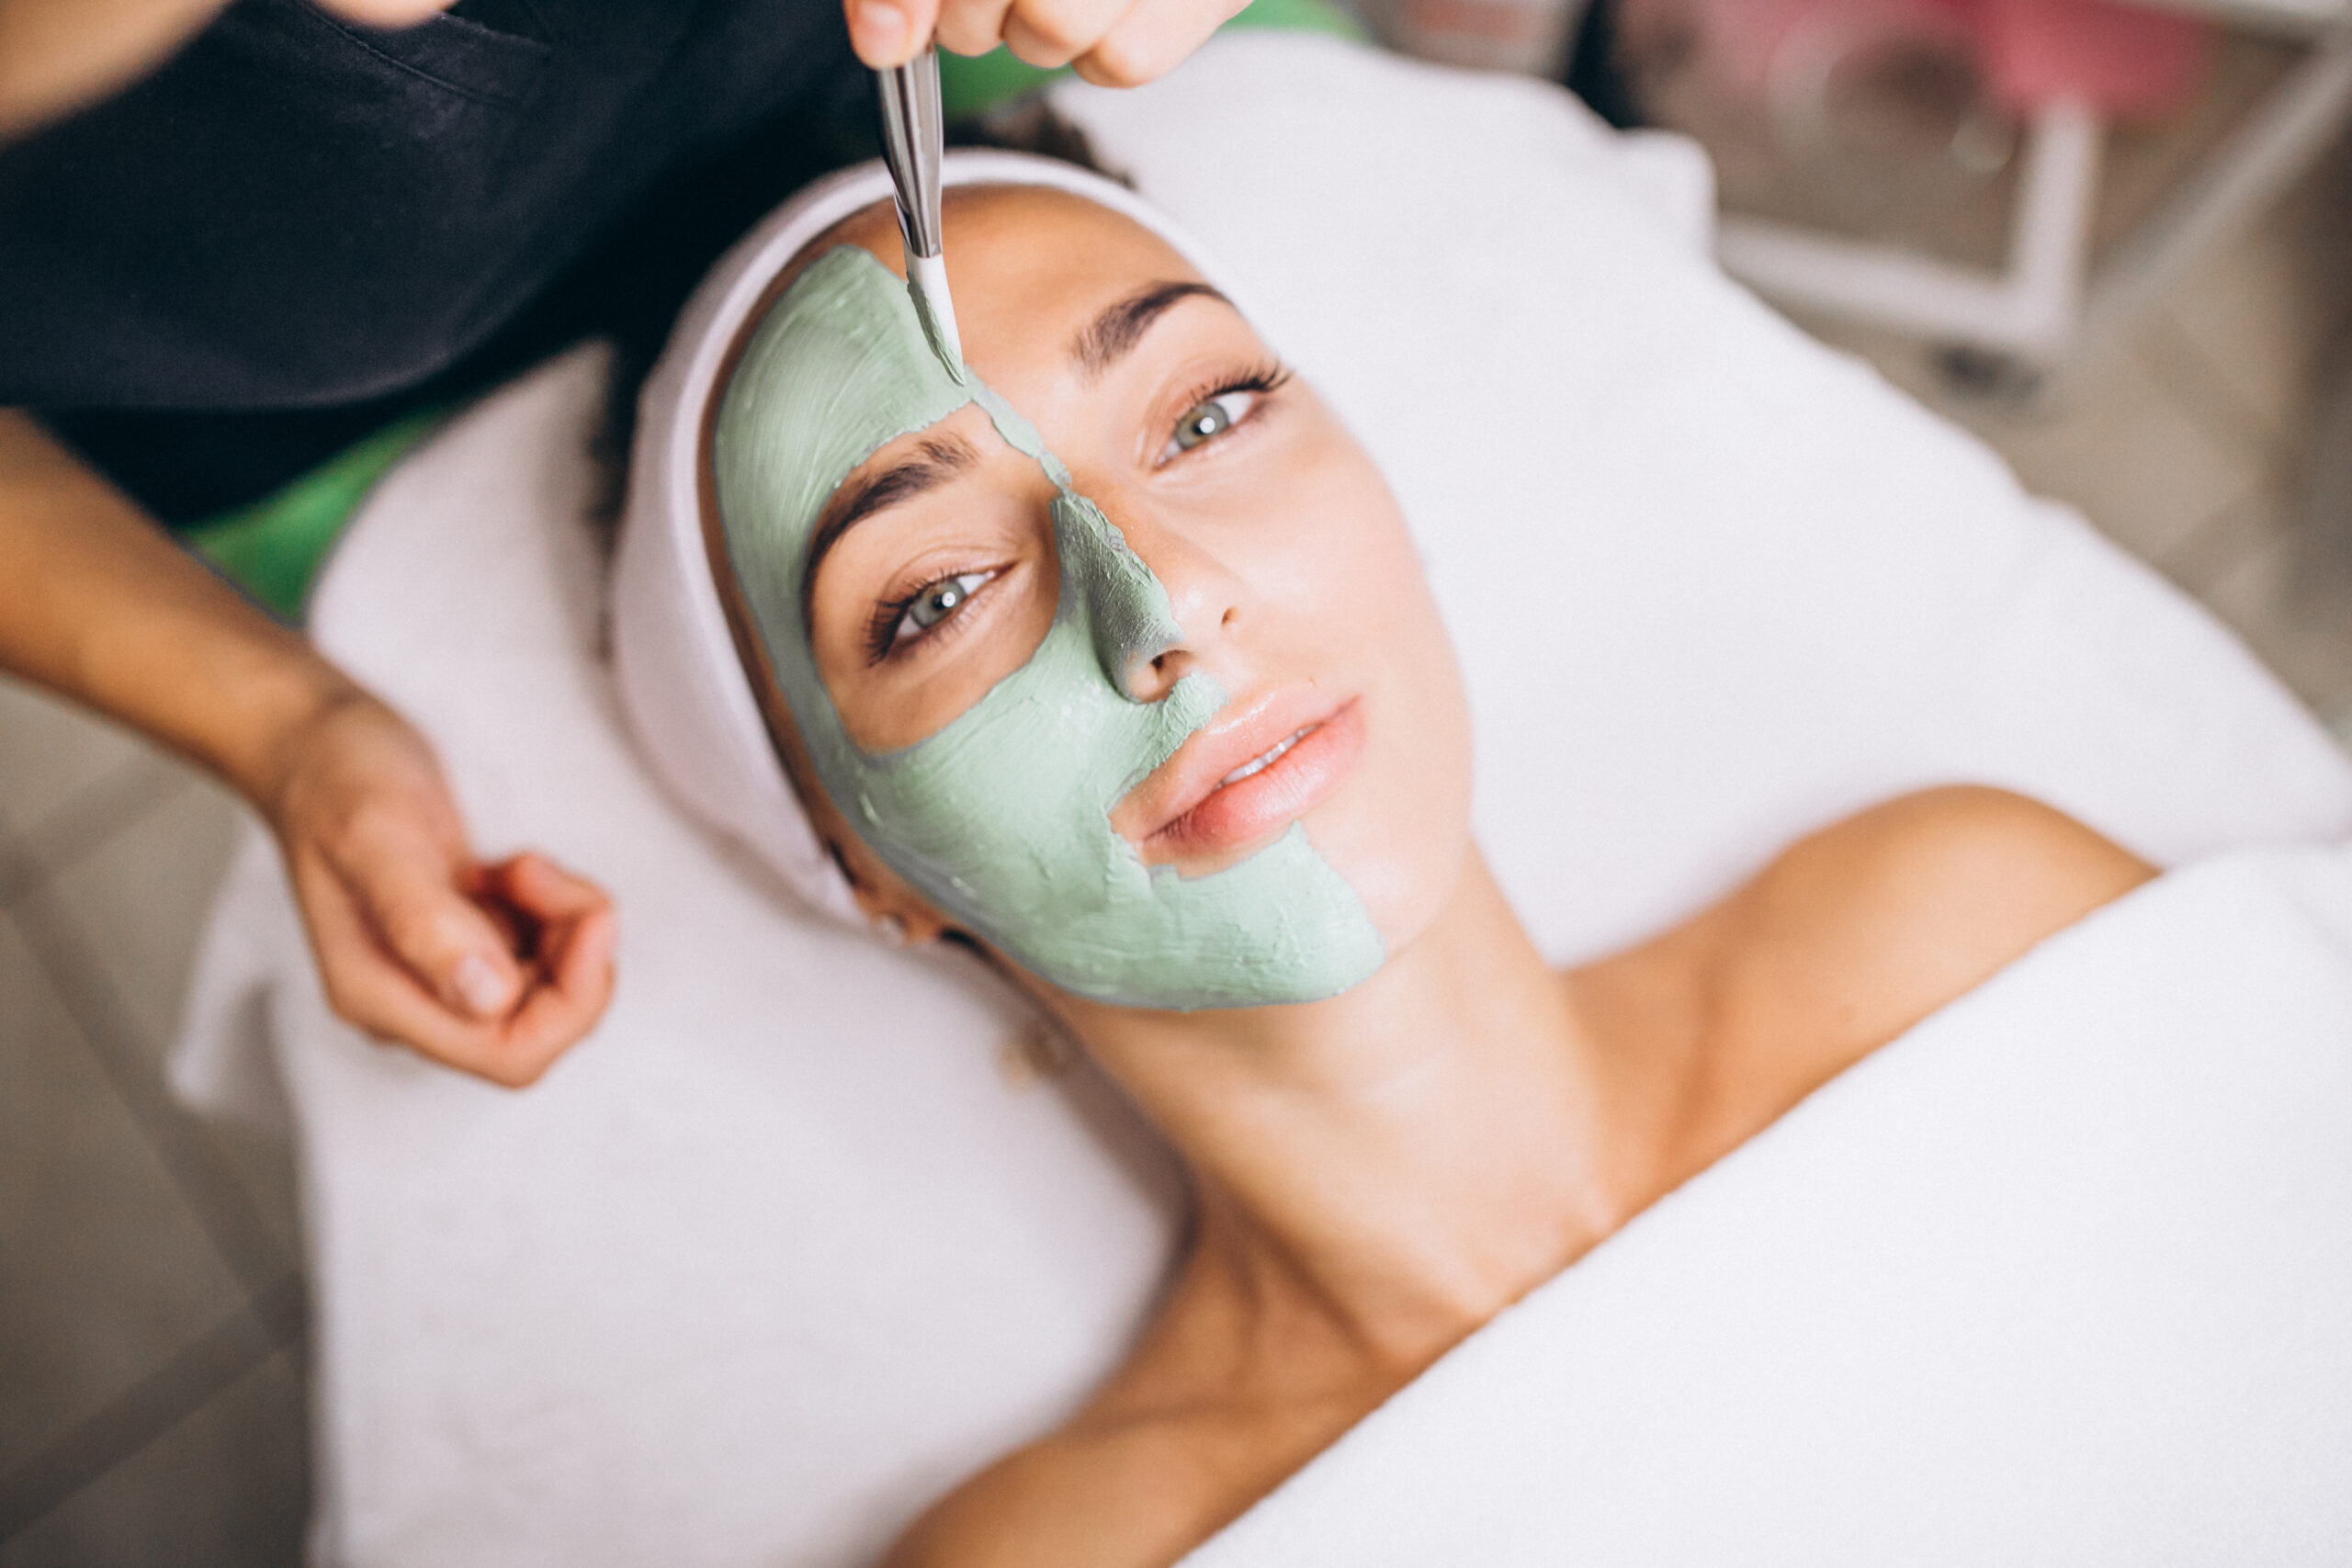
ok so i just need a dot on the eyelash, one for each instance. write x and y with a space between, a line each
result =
882 640
1261 379
882 629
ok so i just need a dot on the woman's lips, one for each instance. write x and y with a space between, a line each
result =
1227 790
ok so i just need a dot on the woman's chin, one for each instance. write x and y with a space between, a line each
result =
1406 852
1405 880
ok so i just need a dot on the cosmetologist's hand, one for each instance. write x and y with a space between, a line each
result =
1114 43
491 968
494 969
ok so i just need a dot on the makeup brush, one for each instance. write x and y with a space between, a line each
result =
911 128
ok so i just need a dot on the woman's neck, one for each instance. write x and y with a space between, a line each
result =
1410 1157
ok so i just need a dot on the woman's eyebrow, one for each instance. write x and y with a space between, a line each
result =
1111 335
936 460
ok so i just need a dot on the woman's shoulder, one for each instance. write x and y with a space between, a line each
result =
1865 927
1184 1437
1218 1403
1093 1494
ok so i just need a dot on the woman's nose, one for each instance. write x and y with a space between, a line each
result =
1200 610
1150 628
1149 679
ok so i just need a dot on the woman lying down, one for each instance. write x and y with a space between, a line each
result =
1107 653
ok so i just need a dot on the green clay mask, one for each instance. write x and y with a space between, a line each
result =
1001 819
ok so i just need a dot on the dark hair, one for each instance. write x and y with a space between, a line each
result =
1030 124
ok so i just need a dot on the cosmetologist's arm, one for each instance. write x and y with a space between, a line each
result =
492 968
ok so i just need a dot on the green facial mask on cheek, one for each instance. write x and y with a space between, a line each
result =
1001 819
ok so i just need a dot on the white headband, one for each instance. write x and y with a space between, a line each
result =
683 691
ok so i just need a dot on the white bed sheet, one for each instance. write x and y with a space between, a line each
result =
793 1242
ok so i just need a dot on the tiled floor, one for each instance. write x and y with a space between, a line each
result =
151 1388
152 1385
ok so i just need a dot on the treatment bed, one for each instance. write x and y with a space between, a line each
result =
808 1229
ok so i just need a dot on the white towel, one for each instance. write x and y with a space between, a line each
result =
2063 1277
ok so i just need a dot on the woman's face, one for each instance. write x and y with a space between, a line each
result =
1291 588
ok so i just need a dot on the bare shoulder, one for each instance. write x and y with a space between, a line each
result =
1092 1495
1986 866
1200 1422
1867 926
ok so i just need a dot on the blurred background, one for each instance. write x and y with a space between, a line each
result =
2115 239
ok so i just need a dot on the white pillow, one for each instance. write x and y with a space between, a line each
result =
795 1240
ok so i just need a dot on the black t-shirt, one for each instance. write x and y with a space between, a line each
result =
296 226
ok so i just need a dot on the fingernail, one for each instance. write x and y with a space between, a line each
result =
477 985
881 29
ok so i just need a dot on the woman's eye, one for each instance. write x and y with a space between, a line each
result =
936 601
1207 419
